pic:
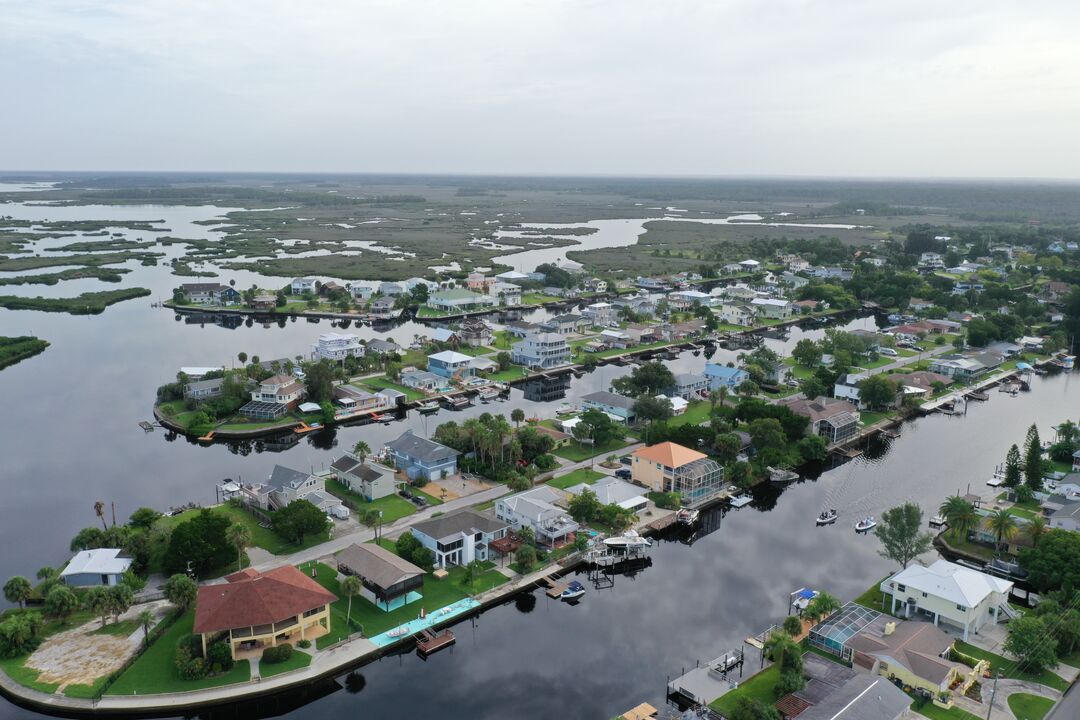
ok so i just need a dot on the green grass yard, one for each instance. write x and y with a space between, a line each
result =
299 659
380 383
575 477
758 687
934 712
576 452
697 413
1008 667
1029 707
394 507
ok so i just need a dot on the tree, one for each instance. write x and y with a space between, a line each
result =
97 601
960 516
351 585
181 590
361 450
821 606
242 357
120 599
747 388
900 536
525 557
750 708
651 378
584 506
518 416
99 510
877 391
60 602
813 447
767 433
239 537
198 544
1036 528
319 382
18 633
146 620
727 446
807 353
1054 563
648 408
1002 523
143 518
504 361
1012 467
1029 640
1033 470
792 625
18 590
300 518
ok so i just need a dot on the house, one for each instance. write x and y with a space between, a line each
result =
667 467
833 692
445 336
1066 516
450 364
329 288
749 265
931 261
459 300
847 387
460 537
508 293
538 509
873 261
478 282
682 330
1003 348
650 283
299 286
204 389
596 285
689 386
918 304
732 312
275 396
254 610
724 376
336 347
263 301
512 276
370 480
99 566
616 339
618 407
792 280
361 292
391 289
474 332
390 582
419 457
958 367
521 329
600 313
1031 343
567 324
958 597
830 273
357 400
423 380
541 350
415 282
833 419
613 491
686 299
919 383
210 293
772 308
740 291
806 306
678 404
382 347
287 485
635 303
384 307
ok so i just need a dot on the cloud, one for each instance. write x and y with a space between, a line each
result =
736 87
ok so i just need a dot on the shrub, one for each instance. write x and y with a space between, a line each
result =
304 644
219 657
189 666
279 654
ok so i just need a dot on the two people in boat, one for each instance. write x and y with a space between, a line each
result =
826 514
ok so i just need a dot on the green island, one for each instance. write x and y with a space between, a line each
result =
88 303
16 349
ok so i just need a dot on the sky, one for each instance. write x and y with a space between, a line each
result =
964 88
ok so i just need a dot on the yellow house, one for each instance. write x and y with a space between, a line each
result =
253 611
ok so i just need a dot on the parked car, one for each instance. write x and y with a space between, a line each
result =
626 460
792 382
623 474
888 352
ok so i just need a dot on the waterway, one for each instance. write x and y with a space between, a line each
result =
69 437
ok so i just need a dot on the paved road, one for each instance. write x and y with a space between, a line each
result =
1068 708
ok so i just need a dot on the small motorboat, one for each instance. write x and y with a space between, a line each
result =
629 540
866 524
398 632
782 475
487 394
427 407
827 517
937 521
565 409
573 591
687 516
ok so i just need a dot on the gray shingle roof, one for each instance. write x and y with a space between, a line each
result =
420 449
603 397
377 565
283 477
463 521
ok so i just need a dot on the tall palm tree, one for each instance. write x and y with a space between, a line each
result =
146 619
1035 529
778 646
517 415
822 606
99 510
239 537
361 450
500 429
351 585
1003 524
959 514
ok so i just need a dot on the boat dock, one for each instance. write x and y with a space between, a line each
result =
555 587
710 680
429 642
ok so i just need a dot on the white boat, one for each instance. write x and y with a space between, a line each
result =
629 540
686 516
565 409
488 393
782 475
1065 362
398 632
828 517
937 521
866 524
428 406
573 591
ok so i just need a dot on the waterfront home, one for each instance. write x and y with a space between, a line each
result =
204 389
613 491
682 330
390 289
650 283
686 299
336 347
538 509
635 303
482 364
254 610
834 419
263 301
512 276
733 312
772 308
918 304
931 261
383 308
521 329
370 480
460 537
640 333
689 386
99 566
616 339
541 351
275 396
964 368
451 365
952 595
299 286
829 273
567 324
414 282
459 300
507 293
210 293
330 288
478 282
357 400
474 332
195 372
423 380
444 335
382 347
600 313
389 582
914 653
596 285
1031 343
618 407
678 404
669 467
740 291
792 280
807 306
421 458
361 292
287 485
847 388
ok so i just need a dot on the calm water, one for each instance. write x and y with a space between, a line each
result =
69 437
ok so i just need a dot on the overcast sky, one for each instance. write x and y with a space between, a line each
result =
964 88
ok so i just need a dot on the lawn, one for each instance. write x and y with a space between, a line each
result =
697 413
379 383
299 659
122 628
759 686
514 373
934 712
394 507
869 418
575 477
873 597
1029 707
266 538
576 452
1009 669
537 298
155 670
24 675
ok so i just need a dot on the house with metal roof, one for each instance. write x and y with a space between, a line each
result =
538 509
460 537
389 581
950 594
689 386
418 457
619 407
723 376
613 491
460 300
451 365
99 566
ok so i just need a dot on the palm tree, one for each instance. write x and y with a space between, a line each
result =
822 606
242 357
1035 529
146 619
959 514
1002 523
99 510
778 646
239 537
351 585
517 415
361 450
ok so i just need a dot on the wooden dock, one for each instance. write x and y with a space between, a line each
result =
555 588
428 642
208 437
305 428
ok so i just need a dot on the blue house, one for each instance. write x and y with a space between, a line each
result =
420 458
722 375
450 364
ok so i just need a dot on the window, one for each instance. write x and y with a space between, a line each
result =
924 594
901 588
961 608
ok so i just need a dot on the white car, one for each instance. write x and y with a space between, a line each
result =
889 352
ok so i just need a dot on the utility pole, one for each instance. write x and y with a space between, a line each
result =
993 692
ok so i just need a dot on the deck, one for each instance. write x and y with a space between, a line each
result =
429 642
555 587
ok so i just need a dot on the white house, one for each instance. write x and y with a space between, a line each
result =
299 286
749 265
461 537
508 293
950 594
100 566
541 350
537 509
772 308
600 313
337 346
735 313
931 260
686 299
361 292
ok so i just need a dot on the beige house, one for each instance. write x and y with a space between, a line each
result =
667 467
